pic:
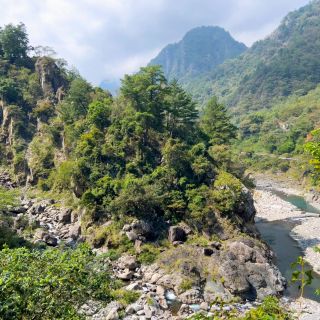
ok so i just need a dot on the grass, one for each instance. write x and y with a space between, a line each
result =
8 197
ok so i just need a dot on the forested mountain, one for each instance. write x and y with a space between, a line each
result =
201 50
286 62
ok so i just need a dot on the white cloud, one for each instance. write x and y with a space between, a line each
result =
107 38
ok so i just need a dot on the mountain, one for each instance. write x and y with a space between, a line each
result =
201 50
286 62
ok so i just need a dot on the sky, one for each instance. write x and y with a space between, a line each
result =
105 39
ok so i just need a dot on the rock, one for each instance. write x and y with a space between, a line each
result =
135 286
49 75
204 306
137 246
191 296
90 308
215 290
127 262
216 245
177 243
75 231
125 275
246 209
234 275
112 315
50 240
65 216
176 233
138 230
110 312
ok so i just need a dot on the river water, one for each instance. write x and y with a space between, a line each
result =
287 250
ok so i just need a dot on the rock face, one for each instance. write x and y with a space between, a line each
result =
50 77
248 271
139 230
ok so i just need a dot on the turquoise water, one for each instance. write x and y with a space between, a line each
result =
298 201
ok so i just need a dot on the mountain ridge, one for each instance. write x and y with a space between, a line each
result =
201 50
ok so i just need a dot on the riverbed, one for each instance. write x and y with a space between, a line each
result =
291 226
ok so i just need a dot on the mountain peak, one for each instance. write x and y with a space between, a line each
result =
200 51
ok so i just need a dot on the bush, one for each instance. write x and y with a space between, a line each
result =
50 284
227 192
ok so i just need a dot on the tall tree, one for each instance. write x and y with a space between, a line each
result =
146 90
14 43
216 124
181 113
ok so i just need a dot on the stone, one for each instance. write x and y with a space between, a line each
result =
204 306
49 75
127 262
65 216
50 240
125 275
139 229
177 233
75 231
191 296
134 286
216 245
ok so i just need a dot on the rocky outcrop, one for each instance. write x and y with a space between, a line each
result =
248 271
139 230
51 81
51 222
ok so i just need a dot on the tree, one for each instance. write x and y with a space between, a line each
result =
145 91
76 103
9 91
98 113
313 148
14 43
216 123
181 113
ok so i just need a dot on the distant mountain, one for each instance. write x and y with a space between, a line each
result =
200 51
285 63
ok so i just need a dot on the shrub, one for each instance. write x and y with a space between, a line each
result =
50 284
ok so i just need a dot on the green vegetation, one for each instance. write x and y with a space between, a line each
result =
200 51
270 309
301 275
51 284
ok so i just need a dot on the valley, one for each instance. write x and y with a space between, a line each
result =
192 191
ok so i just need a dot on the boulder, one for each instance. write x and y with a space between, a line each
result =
138 230
176 233
192 296
127 262
50 240
65 216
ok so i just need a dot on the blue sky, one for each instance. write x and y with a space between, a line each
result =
104 39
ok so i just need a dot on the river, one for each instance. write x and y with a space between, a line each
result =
287 250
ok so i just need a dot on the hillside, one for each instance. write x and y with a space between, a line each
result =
201 50
286 62
142 179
